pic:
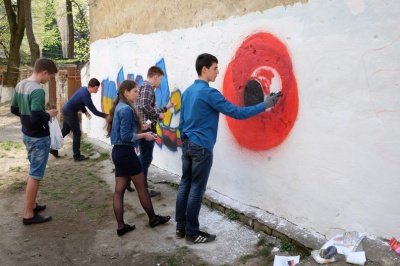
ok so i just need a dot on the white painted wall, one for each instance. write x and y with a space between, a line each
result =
6 94
338 170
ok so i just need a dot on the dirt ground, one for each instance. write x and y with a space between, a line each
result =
79 199
78 196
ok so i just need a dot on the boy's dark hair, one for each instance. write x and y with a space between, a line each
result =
204 60
47 64
154 70
94 83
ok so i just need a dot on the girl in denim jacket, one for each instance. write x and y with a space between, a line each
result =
123 128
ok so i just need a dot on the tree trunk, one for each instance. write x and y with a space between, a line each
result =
70 22
33 46
17 28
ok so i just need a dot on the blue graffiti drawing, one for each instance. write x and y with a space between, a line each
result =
167 130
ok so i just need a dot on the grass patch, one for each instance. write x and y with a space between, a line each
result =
94 178
233 215
261 241
140 215
79 189
9 145
15 169
181 256
103 156
286 245
94 210
263 250
173 261
86 147
15 185
174 185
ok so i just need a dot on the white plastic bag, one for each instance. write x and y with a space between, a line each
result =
57 140
357 258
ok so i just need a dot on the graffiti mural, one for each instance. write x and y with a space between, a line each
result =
261 65
168 129
109 89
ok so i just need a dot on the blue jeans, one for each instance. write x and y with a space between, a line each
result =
71 123
146 154
38 154
196 166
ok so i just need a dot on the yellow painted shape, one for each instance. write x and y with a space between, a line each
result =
107 103
176 99
158 130
167 118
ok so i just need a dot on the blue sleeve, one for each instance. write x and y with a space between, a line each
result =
128 127
219 103
181 121
89 103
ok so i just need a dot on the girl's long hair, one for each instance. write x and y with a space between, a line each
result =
126 85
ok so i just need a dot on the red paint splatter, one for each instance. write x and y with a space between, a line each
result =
270 128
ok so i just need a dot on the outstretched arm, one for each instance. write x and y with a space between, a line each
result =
89 103
219 103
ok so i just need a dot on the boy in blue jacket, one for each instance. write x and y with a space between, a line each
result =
200 108
78 102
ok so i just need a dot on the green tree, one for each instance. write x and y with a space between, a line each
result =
70 22
16 20
52 44
4 35
81 30
33 45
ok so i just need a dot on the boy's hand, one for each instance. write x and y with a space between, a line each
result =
52 112
171 104
272 99
149 136
145 126
161 116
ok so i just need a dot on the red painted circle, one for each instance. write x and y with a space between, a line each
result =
269 129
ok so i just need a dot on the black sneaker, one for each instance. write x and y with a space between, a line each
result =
200 237
180 233
81 158
153 193
129 187
54 153
159 220
39 208
127 228
37 218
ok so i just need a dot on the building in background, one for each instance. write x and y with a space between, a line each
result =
327 157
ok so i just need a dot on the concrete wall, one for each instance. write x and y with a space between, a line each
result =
327 158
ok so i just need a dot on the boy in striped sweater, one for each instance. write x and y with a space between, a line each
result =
28 103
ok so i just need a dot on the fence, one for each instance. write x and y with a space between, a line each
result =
60 87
